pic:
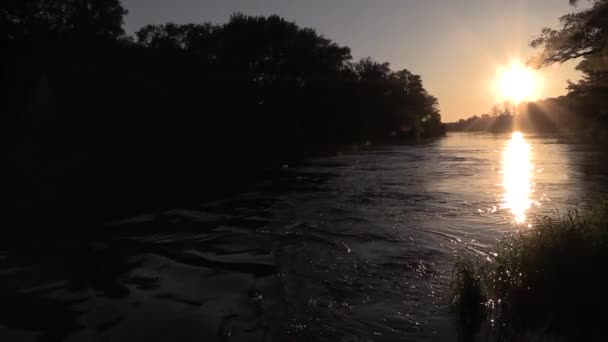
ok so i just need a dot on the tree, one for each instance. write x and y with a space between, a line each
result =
191 38
235 94
583 33
260 48
43 22
496 110
271 46
39 37
368 69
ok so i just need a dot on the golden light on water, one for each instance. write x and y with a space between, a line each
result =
517 170
517 83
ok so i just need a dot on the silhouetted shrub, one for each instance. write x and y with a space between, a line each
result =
545 282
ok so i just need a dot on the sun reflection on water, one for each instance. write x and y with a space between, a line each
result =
517 170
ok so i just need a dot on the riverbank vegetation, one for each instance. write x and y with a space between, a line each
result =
543 283
543 116
583 36
97 120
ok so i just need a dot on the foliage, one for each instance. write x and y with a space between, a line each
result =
39 23
583 33
107 121
546 282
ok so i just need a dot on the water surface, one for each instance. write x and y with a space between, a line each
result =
354 247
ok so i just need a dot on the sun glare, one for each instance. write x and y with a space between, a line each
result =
517 170
517 83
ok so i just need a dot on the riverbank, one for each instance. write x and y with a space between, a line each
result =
546 282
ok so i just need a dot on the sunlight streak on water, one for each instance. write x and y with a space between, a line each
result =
517 170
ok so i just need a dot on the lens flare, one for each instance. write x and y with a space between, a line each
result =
517 170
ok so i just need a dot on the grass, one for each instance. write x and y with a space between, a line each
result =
545 283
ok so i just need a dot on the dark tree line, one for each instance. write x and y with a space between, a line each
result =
543 116
584 110
565 114
94 118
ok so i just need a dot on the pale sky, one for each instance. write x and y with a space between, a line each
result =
455 45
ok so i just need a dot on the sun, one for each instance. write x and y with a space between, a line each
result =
517 83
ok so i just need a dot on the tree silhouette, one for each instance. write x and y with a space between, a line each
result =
39 23
103 107
583 33
370 70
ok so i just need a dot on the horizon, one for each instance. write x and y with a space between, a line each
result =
467 39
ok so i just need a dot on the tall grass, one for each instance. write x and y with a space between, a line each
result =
545 283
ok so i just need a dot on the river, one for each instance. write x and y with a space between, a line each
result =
358 246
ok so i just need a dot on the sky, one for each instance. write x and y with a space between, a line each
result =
457 46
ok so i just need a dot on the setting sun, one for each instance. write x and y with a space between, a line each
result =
516 83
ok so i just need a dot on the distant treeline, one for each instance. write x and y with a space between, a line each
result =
94 118
565 114
580 114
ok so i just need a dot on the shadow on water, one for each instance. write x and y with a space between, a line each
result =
56 285
32 275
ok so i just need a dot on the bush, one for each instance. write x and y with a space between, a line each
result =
544 283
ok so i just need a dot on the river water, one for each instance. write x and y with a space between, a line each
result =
354 247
